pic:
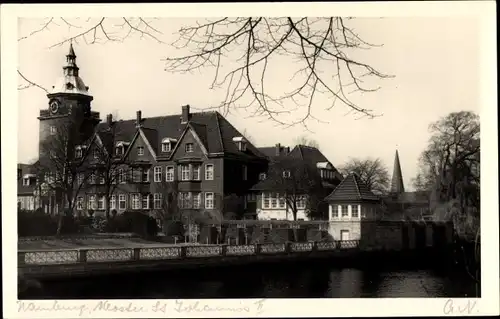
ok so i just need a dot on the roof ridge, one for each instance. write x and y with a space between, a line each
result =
357 185
220 132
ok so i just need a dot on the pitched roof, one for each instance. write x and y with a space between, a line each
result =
212 128
397 185
352 189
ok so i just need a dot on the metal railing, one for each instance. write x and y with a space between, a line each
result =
98 255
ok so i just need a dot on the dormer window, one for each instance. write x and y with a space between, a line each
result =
262 176
167 144
120 148
53 130
286 174
241 143
79 152
26 181
140 150
69 86
189 147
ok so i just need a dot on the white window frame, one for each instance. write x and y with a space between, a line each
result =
302 202
335 211
122 176
185 200
26 182
245 172
346 210
157 174
92 202
79 203
196 172
286 174
145 201
266 201
169 173
145 175
355 210
166 147
112 202
262 176
209 172
136 201
157 197
92 179
189 147
140 150
209 202
101 178
185 172
78 153
95 153
53 130
119 150
101 203
122 198
196 198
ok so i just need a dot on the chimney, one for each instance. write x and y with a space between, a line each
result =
185 114
139 119
278 149
287 150
109 119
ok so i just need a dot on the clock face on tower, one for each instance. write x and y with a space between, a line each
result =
54 107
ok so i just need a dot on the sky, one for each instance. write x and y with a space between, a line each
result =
434 61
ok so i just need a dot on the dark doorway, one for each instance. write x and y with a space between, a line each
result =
439 236
406 237
420 241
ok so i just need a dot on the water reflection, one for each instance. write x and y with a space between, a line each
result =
277 281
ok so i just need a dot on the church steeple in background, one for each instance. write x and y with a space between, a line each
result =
397 185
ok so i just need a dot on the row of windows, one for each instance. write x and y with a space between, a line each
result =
343 211
278 201
147 201
165 147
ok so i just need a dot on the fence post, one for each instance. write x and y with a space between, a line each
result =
137 253
257 249
183 252
82 255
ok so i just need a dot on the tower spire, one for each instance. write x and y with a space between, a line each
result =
71 69
397 185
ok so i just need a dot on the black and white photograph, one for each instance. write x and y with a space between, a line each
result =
249 156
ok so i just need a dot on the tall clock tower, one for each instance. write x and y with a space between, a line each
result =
68 102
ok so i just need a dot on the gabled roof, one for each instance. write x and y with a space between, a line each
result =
212 128
351 189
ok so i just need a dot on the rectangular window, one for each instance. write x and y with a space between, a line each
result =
119 150
209 172
78 152
184 200
185 173
157 174
354 211
145 175
137 175
245 172
345 212
122 176
286 174
79 203
91 202
145 201
274 201
136 204
100 203
281 201
92 179
157 200
335 211
96 153
26 181
140 150
301 202
196 200
189 147
209 200
53 130
122 202
169 174
112 202
262 176
265 201
101 178
165 147
196 172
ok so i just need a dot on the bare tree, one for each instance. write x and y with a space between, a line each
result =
248 136
111 169
295 182
304 140
61 168
371 171
241 51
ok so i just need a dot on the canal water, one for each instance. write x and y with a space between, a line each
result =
287 280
